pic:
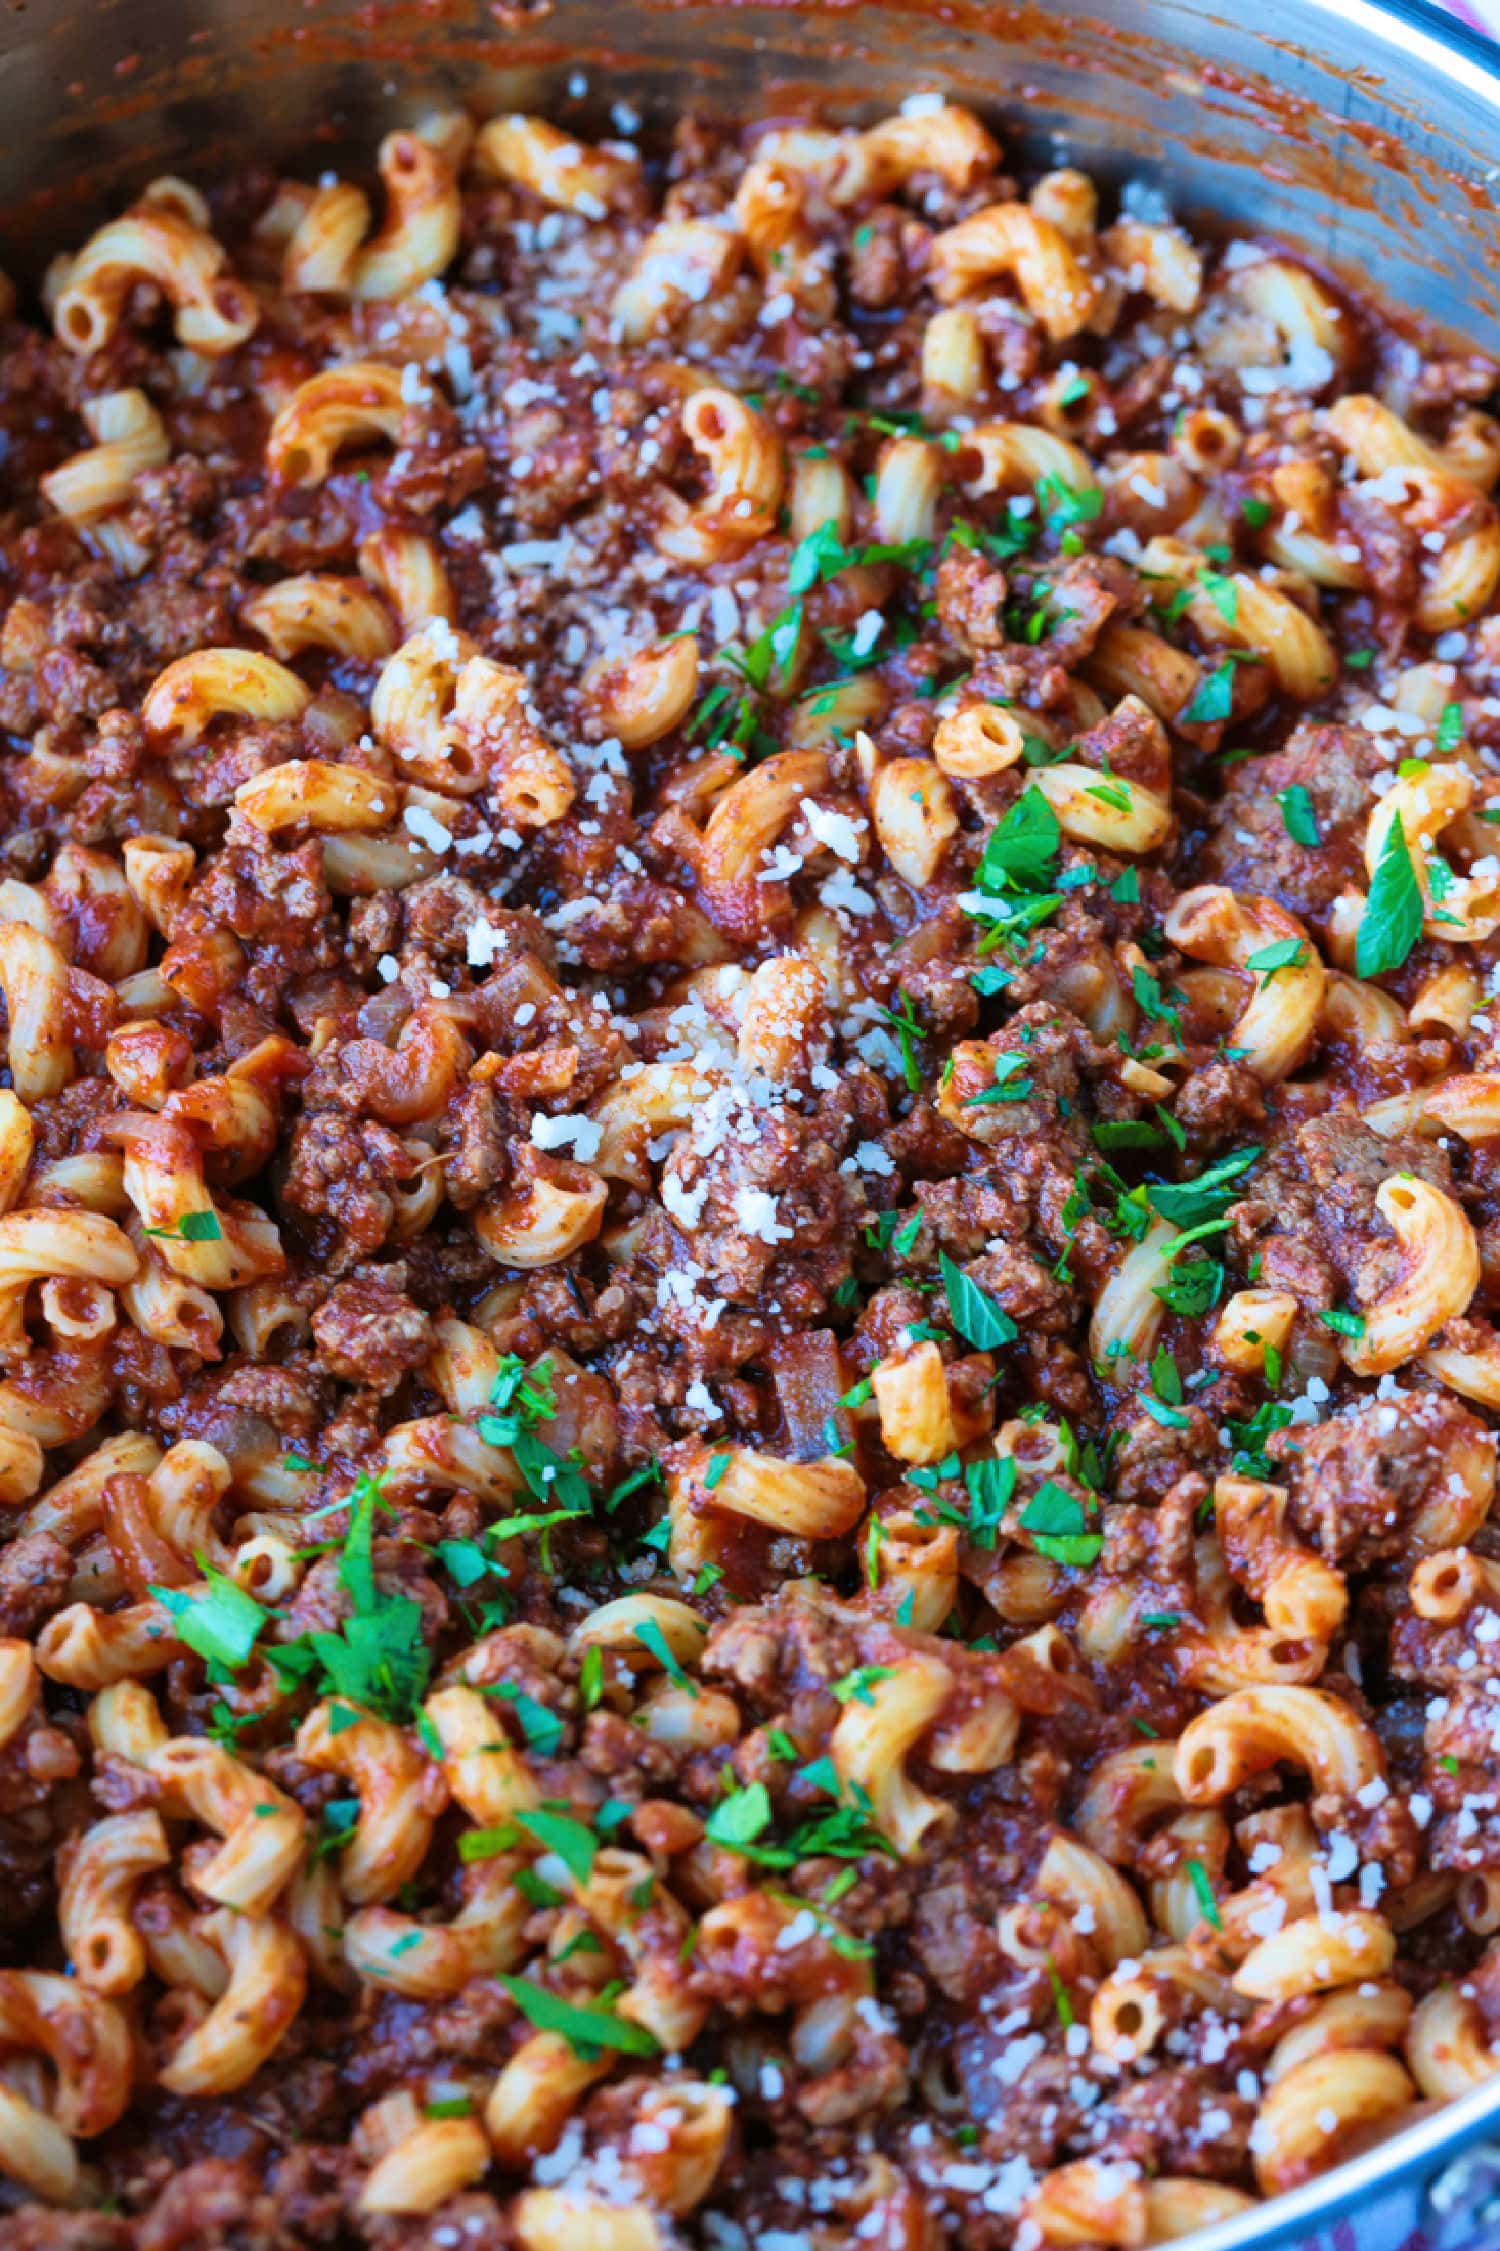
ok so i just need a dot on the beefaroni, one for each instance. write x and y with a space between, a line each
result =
749 1242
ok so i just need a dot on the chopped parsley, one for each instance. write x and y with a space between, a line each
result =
1023 847
649 1473
857 1687
1161 1007
742 1817
1297 815
1222 592
974 1313
1061 2000
588 2031
737 1820
1204 1202
220 1623
191 1227
1392 921
650 1636
574 1844
822 555
909 1031
991 1484
377 1657
1008 1084
1205 1893
1058 1524
591 1677
1249 1438
1015 537
1286 953
1212 699
540 1725
1064 505
1015 883
1192 1288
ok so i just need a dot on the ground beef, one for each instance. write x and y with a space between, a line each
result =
1358 1482
344 1171
34 1575
1311 1217
1248 844
368 1331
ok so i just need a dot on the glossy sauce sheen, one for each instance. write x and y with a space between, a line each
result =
749 1244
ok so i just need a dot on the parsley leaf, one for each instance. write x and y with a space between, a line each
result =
1213 699
1008 1085
991 1483
1126 1133
908 1029
855 1687
1205 1893
466 1562
1297 815
650 1636
1192 1203
1064 505
377 1658
1152 1002
822 555
518 1400
1170 1418
191 1227
1250 1458
549 1477
975 1315
649 1473
1058 1525
540 1725
591 1677
586 2030
1392 921
1222 592
1023 847
1286 953
737 1820
574 1844
1166 1377
741 1818
1016 536
1193 1288
221 1623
